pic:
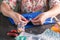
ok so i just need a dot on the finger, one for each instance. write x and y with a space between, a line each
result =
23 23
35 20
36 23
39 16
24 19
15 21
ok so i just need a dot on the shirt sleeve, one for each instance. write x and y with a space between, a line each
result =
52 3
12 3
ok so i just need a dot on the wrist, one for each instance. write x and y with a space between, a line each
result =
12 14
49 14
46 14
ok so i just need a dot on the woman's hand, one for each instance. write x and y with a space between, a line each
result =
40 19
18 18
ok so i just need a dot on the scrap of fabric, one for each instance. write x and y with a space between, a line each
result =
47 35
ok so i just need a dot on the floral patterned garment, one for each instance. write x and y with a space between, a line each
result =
32 5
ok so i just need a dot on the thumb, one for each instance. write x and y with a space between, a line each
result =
24 19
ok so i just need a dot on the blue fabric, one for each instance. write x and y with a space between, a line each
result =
31 16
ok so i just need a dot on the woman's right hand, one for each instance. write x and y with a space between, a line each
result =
18 18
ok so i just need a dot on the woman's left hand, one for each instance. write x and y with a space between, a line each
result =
40 19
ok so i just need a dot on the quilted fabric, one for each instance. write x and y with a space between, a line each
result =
47 35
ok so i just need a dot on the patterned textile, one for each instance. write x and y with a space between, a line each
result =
46 35
33 5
